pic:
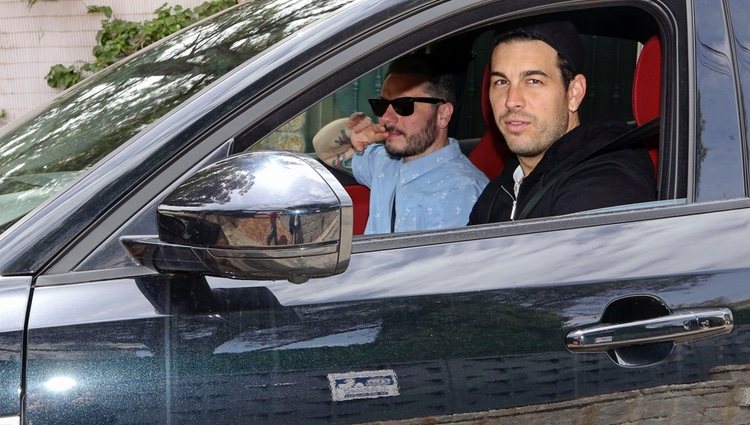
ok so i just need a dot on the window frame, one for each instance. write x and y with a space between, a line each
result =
306 86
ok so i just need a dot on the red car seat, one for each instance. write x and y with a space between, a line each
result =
488 155
360 206
647 91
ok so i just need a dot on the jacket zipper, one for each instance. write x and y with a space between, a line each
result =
494 199
513 209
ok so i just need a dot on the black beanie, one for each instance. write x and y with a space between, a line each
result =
560 35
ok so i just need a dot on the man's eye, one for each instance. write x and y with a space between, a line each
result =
534 81
500 82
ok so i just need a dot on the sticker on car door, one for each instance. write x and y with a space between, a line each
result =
364 384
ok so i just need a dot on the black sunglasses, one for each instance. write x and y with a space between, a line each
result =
403 106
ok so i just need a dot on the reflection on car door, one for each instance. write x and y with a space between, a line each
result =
14 297
454 328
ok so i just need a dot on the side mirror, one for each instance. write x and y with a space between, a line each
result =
260 215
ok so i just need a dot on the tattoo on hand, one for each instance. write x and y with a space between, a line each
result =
343 138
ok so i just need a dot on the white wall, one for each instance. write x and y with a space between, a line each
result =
32 39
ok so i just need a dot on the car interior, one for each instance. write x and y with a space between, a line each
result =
623 70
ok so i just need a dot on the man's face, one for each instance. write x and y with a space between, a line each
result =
414 134
529 101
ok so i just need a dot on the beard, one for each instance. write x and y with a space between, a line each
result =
546 133
415 143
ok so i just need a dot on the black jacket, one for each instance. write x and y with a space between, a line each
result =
599 178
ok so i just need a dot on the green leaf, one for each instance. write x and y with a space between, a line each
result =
106 10
62 77
118 39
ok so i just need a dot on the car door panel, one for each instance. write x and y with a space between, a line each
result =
719 166
739 13
14 295
465 327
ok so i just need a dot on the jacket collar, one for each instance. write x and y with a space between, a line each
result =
576 145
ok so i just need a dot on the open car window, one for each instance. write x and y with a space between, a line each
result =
610 76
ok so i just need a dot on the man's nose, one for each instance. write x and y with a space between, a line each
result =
514 97
389 116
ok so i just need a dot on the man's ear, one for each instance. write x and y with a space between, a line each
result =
444 114
576 92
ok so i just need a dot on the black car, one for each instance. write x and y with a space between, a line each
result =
172 251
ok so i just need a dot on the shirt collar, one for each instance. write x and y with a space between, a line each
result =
414 168
517 179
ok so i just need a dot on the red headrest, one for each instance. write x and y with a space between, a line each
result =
490 152
647 82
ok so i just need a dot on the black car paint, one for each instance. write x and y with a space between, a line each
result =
483 332
476 339
720 131
14 296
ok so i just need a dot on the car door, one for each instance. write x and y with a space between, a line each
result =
611 317
14 295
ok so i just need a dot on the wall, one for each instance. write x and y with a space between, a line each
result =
32 39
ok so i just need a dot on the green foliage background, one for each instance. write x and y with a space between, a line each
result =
118 38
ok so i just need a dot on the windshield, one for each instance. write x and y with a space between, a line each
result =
40 156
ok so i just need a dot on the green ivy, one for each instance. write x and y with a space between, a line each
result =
118 39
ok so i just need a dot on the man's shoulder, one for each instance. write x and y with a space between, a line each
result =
581 143
463 161
463 169
599 133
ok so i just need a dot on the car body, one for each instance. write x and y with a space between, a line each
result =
113 313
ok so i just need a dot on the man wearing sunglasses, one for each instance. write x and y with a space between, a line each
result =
560 166
417 175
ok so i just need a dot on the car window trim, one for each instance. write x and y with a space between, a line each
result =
375 243
540 225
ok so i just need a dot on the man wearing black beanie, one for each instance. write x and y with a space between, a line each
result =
560 166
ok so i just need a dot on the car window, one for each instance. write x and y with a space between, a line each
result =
609 89
44 153
610 77
608 95
296 134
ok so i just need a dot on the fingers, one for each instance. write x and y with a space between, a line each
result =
364 132
376 132
358 121
359 141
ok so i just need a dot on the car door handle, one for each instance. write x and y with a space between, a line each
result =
681 326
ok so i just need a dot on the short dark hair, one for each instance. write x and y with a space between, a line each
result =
560 35
565 68
440 80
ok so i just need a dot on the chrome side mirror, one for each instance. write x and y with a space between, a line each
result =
260 215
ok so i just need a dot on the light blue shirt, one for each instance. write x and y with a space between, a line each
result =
436 191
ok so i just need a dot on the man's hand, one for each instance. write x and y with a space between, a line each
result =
363 132
337 141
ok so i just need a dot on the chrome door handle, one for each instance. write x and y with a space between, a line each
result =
680 326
